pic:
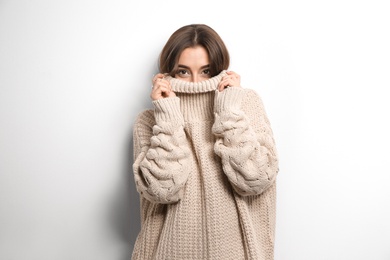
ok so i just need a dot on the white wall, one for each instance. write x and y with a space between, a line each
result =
74 74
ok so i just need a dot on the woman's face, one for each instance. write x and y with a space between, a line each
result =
193 65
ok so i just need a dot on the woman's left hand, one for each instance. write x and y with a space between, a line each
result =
232 79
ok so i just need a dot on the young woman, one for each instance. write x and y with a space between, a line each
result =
205 161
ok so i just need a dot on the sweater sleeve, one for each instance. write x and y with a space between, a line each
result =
161 152
244 141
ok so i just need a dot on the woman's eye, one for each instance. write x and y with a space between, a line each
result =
206 72
182 72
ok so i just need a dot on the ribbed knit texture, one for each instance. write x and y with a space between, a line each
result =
205 166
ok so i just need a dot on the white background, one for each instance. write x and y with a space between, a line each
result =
74 75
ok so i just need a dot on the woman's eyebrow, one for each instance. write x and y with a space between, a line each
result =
183 66
186 67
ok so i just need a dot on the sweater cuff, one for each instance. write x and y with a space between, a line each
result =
229 99
168 110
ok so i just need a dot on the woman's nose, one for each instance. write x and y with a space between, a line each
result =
195 78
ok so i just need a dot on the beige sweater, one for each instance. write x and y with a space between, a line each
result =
205 166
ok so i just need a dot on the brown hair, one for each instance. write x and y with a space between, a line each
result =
190 36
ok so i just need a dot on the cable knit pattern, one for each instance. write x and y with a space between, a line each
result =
162 171
205 166
249 160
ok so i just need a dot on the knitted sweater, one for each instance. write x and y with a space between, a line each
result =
205 165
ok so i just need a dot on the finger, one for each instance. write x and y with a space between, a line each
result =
165 92
228 83
234 75
162 89
232 80
160 92
157 76
228 80
223 84
172 94
160 82
229 77
231 73
165 83
160 79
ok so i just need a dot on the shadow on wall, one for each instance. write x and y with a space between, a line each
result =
124 212
125 207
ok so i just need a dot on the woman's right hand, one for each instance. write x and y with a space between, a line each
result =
161 88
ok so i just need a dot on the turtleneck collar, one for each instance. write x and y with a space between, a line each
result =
208 85
196 99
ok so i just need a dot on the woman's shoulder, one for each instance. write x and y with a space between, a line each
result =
145 117
251 95
252 101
